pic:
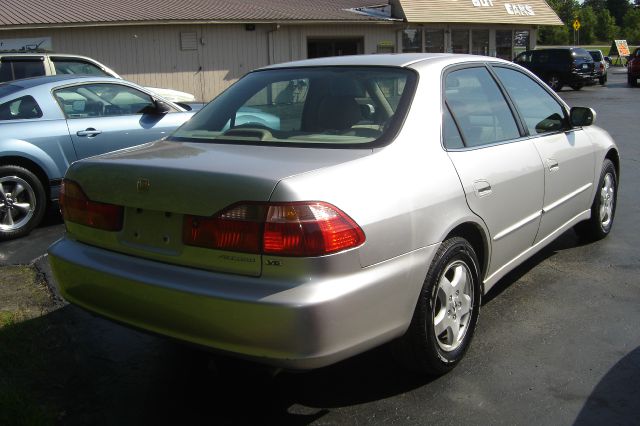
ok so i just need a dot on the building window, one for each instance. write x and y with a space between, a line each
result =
412 40
460 41
320 48
434 41
504 44
480 42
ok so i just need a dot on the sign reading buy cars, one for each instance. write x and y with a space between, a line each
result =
511 8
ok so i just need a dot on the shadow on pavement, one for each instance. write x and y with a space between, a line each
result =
616 398
77 369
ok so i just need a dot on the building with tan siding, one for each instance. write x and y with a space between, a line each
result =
203 46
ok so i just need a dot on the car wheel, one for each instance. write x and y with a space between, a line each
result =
633 82
446 314
603 209
554 82
576 86
22 201
602 80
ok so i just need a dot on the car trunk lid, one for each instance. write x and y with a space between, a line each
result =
161 182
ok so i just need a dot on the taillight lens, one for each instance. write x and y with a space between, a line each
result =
284 229
235 229
78 208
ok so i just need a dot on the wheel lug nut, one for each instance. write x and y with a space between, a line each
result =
457 292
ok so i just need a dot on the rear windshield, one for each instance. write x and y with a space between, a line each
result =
596 55
581 53
330 106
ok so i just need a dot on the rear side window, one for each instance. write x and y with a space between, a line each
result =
76 66
478 107
340 106
102 100
23 108
13 69
539 110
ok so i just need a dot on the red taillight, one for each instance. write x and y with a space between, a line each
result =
283 229
235 229
78 208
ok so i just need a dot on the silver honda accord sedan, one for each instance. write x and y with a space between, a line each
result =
394 193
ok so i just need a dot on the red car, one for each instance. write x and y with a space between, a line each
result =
633 68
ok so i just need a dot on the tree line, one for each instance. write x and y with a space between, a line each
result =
601 21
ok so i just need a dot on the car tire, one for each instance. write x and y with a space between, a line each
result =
554 82
602 80
603 208
22 211
633 82
448 305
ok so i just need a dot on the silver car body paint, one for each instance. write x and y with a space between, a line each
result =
407 196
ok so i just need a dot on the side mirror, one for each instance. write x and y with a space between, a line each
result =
608 60
582 116
162 107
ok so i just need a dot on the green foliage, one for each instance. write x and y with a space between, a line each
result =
556 35
588 21
600 21
606 28
618 9
631 25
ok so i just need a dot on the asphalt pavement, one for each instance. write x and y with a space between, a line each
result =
558 341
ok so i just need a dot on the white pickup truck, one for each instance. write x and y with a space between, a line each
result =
23 65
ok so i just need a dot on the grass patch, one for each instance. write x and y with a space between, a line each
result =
24 298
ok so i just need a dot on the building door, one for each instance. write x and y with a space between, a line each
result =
323 47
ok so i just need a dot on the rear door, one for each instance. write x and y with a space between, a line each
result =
567 154
501 173
104 117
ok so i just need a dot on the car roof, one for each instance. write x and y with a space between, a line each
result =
52 80
389 60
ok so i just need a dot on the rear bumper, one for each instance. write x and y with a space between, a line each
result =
304 326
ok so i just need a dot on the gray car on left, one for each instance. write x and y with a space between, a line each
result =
46 123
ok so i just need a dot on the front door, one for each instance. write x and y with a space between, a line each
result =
104 117
567 154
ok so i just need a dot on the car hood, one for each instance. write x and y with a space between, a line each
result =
197 178
173 95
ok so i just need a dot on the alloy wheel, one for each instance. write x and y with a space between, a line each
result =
453 306
17 203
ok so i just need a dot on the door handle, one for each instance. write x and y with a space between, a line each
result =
482 188
553 165
90 132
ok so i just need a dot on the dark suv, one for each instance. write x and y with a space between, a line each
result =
561 66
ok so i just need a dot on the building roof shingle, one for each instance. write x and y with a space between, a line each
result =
61 12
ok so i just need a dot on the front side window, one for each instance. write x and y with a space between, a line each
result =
479 108
306 106
11 69
539 110
76 66
103 100
23 108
